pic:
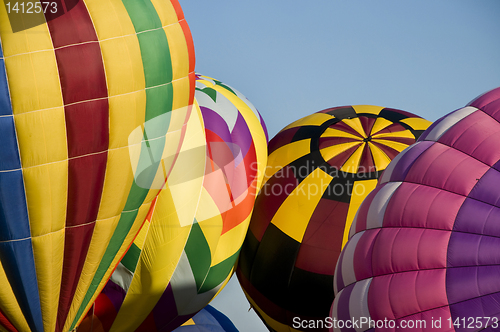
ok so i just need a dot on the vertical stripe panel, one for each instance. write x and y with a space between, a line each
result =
157 66
16 253
84 90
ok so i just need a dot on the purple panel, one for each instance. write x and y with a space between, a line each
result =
338 271
424 135
478 217
343 307
485 306
215 123
264 127
115 294
407 159
463 249
165 310
461 283
486 189
241 135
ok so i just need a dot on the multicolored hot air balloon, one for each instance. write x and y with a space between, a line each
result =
319 170
75 83
177 265
423 250
208 319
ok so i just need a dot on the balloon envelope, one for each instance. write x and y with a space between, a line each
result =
75 84
423 247
177 265
319 170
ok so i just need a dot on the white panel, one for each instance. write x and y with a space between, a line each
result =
347 268
358 302
376 211
449 121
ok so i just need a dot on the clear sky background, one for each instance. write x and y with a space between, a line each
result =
292 58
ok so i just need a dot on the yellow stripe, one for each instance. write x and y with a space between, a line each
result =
417 123
380 124
141 236
370 109
395 145
49 256
360 190
334 150
31 67
397 134
166 12
110 18
42 137
380 159
330 132
231 241
102 234
315 119
352 164
8 303
293 215
285 155
178 48
355 124
164 245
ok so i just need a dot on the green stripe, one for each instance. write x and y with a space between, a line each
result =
218 273
131 258
157 65
198 253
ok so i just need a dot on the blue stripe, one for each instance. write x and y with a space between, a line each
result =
17 260
5 107
16 250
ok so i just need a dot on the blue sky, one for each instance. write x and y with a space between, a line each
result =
293 58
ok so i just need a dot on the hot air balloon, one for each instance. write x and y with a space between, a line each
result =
423 250
76 80
208 319
174 269
319 170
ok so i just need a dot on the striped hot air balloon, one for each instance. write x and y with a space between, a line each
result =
319 170
89 90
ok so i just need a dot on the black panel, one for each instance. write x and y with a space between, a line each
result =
312 293
273 265
344 113
306 132
392 115
247 254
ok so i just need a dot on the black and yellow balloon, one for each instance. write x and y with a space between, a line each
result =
319 170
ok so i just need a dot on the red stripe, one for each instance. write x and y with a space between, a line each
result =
84 91
6 324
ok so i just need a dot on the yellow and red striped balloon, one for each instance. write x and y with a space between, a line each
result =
92 98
